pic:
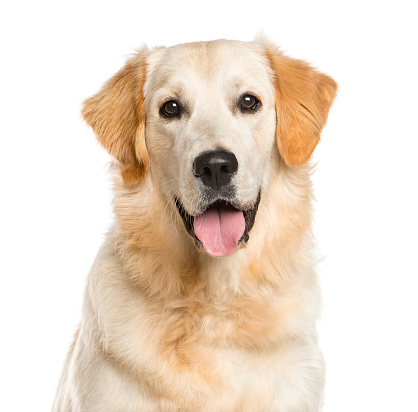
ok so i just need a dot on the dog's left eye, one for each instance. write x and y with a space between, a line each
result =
249 103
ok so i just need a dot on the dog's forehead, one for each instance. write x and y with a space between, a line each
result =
219 62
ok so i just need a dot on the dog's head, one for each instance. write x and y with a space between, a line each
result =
203 119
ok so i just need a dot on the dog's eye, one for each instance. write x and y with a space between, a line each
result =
170 109
249 103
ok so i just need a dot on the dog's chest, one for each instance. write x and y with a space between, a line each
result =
262 381
247 378
211 377
211 357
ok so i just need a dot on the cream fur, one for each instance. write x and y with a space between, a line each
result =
165 326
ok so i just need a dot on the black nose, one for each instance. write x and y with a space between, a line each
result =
215 168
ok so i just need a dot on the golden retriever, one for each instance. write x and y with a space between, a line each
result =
204 296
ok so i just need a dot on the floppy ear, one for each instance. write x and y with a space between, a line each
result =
303 99
116 114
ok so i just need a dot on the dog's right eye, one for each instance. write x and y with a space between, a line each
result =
170 109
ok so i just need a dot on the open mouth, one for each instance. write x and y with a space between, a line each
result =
221 228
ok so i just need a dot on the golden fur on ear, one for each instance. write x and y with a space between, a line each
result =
116 114
303 99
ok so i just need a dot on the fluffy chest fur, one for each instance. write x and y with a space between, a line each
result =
222 352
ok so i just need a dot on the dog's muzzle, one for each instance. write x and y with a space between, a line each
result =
223 225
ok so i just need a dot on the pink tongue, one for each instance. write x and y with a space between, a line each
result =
219 229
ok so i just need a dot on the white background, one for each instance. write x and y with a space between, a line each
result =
55 191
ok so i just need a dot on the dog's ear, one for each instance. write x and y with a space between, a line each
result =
116 114
303 99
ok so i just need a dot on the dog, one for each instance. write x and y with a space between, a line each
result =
204 295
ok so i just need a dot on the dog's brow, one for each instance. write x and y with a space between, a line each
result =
171 92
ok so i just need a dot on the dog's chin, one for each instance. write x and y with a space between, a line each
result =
222 227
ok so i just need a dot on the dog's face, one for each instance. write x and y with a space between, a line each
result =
204 118
210 130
